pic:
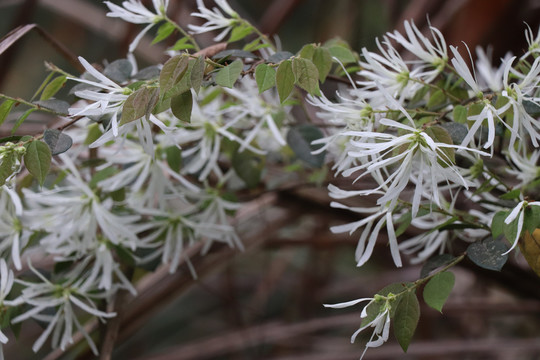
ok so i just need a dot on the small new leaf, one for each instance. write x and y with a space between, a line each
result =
7 163
265 76
460 114
5 109
53 87
172 72
438 289
139 104
228 75
197 73
37 160
163 32
406 319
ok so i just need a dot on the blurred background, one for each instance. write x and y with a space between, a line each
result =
266 302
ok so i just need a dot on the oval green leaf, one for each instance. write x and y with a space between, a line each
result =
265 76
438 288
37 160
306 75
284 80
228 75
406 319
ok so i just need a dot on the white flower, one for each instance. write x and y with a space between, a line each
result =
532 41
380 323
14 236
134 11
525 166
517 93
215 19
6 283
255 110
389 71
463 70
413 153
429 242
380 215
420 46
63 298
107 99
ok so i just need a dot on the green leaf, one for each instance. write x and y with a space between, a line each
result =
57 141
532 108
58 106
21 119
284 80
37 160
7 165
197 73
404 221
306 75
438 289
497 224
342 53
119 70
435 262
182 44
181 106
511 230
265 76
279 56
228 75
323 61
53 87
102 175
139 104
460 113
446 155
456 130
531 220
240 32
163 32
93 133
307 51
436 99
406 319
255 45
511 195
488 254
248 166
172 72
174 158
5 109
299 138
375 307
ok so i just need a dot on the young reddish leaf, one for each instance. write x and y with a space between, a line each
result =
197 74
139 104
172 72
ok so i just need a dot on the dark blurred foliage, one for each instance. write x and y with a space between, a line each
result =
266 303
